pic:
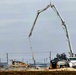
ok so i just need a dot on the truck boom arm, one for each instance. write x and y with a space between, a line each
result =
38 12
63 25
65 28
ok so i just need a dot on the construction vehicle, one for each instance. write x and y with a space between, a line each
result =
16 63
72 62
59 61
53 64
64 26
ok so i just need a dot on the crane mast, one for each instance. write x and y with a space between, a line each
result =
62 21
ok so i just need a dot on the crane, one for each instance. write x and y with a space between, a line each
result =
64 26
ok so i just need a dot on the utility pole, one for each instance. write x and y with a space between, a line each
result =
22 59
44 60
0 60
7 57
50 56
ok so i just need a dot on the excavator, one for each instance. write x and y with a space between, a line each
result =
64 26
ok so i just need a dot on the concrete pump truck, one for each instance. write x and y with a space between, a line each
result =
64 26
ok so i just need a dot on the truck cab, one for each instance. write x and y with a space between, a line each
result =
72 62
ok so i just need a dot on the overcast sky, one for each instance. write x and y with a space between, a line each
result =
16 19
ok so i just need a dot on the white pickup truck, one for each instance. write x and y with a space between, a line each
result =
72 61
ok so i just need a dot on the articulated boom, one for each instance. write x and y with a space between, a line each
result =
63 25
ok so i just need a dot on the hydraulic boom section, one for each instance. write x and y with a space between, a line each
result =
65 28
62 21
